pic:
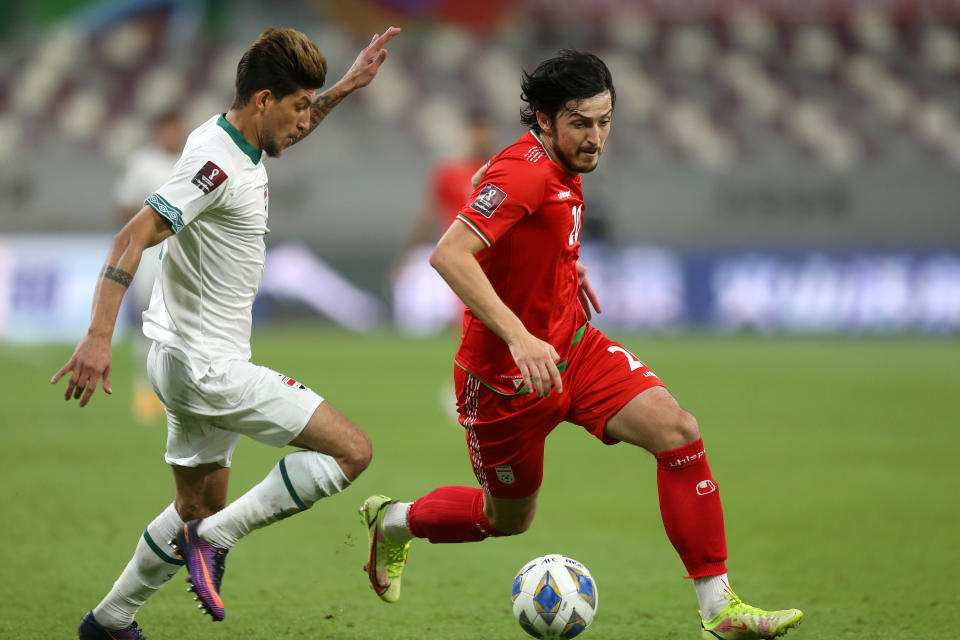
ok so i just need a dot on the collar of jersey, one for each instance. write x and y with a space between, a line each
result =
545 150
251 152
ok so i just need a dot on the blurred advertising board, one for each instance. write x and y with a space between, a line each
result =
46 284
653 288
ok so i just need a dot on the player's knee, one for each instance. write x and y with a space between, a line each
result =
357 455
683 429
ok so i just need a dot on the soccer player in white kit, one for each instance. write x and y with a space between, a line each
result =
144 169
212 216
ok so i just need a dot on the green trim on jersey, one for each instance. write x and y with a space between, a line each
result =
157 550
578 334
251 151
286 481
577 337
540 140
477 231
167 211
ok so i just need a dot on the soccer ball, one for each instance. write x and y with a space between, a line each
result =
554 597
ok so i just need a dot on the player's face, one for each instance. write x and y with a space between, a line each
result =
579 131
285 120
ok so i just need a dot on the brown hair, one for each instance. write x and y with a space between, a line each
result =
281 60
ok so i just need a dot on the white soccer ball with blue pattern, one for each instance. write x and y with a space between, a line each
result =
554 597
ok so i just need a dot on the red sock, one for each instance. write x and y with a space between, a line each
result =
450 514
691 511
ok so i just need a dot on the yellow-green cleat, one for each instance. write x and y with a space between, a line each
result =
387 558
739 621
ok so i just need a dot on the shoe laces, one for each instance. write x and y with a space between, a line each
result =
742 608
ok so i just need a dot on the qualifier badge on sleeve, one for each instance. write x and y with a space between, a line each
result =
209 177
488 200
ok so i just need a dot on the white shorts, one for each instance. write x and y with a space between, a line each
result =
206 417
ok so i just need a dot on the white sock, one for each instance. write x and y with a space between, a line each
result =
713 593
152 564
292 486
395 522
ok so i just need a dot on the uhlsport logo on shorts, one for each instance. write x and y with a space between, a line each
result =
505 474
706 486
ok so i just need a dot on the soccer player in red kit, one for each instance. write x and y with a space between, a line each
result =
529 359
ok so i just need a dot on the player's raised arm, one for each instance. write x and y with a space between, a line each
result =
360 74
454 260
92 359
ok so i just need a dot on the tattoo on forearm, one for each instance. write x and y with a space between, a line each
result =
322 106
117 275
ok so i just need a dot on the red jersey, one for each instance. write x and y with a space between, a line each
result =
450 187
529 212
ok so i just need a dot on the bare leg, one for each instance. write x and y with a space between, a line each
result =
331 433
201 490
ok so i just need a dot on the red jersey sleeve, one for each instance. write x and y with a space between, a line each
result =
511 189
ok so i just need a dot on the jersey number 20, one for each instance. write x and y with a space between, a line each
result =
577 211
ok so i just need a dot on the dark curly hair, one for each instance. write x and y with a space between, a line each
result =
571 75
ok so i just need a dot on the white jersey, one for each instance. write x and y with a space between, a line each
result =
216 204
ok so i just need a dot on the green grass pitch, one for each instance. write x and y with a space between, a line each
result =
837 460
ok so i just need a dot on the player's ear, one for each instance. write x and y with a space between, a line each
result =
545 121
261 98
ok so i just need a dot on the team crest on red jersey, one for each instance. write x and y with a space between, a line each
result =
209 177
488 200
505 474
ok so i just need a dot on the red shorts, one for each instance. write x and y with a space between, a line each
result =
506 433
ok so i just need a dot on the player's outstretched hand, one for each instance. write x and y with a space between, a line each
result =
365 67
90 362
586 293
537 361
